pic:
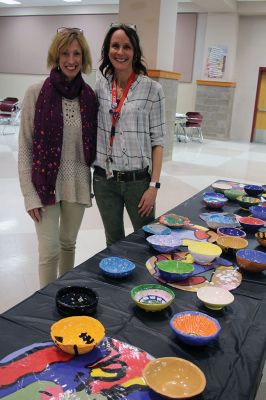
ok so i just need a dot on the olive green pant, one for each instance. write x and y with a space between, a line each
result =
111 198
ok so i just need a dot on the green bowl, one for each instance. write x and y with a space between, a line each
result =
173 270
152 297
232 194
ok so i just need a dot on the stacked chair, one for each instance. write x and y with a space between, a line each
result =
9 115
189 126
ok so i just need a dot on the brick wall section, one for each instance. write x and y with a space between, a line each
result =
215 103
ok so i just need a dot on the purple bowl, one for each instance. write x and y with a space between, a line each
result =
258 212
231 232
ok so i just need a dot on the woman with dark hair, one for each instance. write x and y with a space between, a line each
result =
130 134
57 143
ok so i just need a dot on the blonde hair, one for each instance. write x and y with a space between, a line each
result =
61 41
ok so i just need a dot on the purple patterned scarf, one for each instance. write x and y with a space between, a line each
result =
49 125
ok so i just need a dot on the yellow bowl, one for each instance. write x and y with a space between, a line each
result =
174 377
77 335
204 252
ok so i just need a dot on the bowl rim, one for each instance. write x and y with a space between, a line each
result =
186 362
238 254
81 345
180 314
220 289
243 233
131 265
235 238
192 268
62 291
258 220
147 286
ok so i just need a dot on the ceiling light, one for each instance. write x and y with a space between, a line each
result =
72 1
10 2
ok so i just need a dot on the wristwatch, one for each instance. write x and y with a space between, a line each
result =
156 185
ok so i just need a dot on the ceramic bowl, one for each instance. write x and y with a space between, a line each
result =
246 201
251 224
174 220
253 190
164 243
214 297
152 297
156 229
215 202
77 335
216 220
161 376
116 267
260 239
195 328
262 233
204 252
214 194
223 231
258 212
232 194
221 187
230 244
251 260
76 300
174 270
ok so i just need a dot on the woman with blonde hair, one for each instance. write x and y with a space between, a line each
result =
57 143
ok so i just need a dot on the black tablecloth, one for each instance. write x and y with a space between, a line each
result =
232 364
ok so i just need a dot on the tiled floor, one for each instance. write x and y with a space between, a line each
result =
193 167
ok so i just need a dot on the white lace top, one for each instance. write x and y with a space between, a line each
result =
74 178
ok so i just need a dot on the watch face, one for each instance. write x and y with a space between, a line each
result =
157 185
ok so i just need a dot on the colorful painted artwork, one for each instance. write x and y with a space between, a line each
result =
43 372
216 59
220 272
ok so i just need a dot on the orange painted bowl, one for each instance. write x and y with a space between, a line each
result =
230 244
174 377
195 328
251 260
77 335
251 224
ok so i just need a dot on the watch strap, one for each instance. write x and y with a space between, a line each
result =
156 185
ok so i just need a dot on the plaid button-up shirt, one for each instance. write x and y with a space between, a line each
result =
141 124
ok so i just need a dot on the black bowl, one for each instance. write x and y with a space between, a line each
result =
76 300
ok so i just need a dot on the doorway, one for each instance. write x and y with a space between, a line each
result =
258 133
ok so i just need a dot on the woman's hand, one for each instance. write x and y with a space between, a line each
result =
36 213
147 202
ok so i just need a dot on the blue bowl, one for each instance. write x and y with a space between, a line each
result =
258 212
116 267
231 232
157 229
215 201
214 194
253 190
195 328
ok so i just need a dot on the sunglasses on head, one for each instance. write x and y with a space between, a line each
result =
63 29
119 25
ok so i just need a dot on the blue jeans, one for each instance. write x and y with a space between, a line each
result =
111 198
